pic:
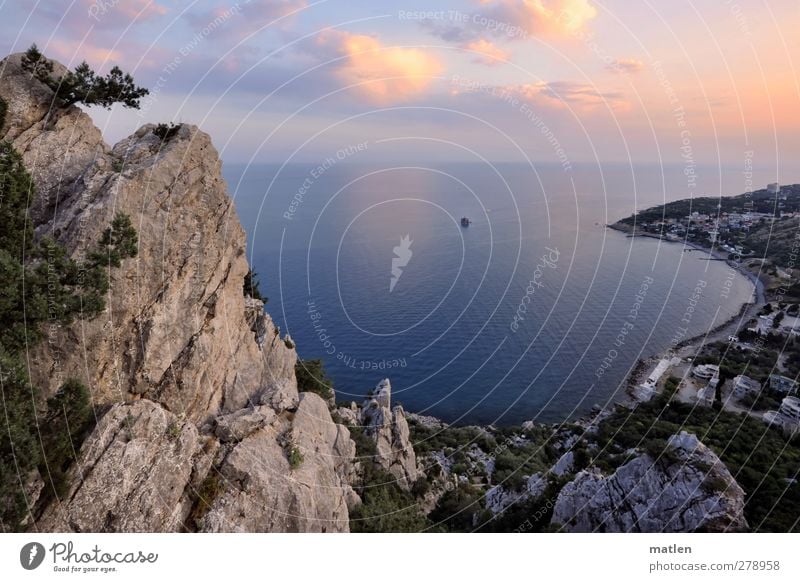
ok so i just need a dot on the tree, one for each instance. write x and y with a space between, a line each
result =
83 85
40 283
250 286
34 61
119 241
312 377
69 418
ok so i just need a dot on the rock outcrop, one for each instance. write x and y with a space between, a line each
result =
694 491
268 493
133 471
389 428
199 384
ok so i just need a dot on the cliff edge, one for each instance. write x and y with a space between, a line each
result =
201 418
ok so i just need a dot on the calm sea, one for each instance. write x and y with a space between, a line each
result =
533 311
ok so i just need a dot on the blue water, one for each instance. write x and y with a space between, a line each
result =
446 334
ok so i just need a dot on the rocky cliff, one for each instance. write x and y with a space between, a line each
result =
205 428
388 427
690 491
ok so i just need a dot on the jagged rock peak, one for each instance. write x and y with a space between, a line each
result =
389 428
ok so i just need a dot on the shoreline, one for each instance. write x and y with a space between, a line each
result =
746 311
641 369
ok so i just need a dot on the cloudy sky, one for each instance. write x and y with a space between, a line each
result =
504 80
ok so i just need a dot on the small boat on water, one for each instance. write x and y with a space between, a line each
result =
465 221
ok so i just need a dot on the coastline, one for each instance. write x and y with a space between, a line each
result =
643 366
721 331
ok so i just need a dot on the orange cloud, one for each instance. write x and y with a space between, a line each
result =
543 17
382 73
490 53
626 66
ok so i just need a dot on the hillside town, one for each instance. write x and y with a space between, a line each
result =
724 224
755 369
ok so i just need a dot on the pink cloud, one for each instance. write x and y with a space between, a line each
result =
122 13
542 17
489 53
629 66
384 74
69 51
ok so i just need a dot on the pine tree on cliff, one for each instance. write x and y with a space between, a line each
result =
40 284
83 85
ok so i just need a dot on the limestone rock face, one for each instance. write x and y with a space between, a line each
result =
57 144
134 469
199 384
696 492
265 492
177 310
389 428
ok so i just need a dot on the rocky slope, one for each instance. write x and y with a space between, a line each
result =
180 355
693 491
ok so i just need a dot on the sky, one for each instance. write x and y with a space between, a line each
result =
703 82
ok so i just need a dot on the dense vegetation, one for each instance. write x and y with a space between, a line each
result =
83 85
385 506
775 240
312 377
42 285
733 361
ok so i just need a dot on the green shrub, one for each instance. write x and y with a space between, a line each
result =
208 491
250 286
455 510
173 430
385 506
311 377
3 109
119 241
295 458
166 132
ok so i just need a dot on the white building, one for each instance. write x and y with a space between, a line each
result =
705 371
790 409
647 389
744 385
788 417
782 384
706 396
